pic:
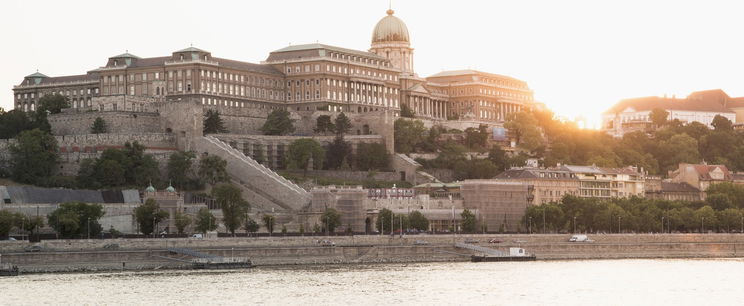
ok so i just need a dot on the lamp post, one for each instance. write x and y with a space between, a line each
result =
702 225
529 226
662 224
88 228
618 224
574 224
543 220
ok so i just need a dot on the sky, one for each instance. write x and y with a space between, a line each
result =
579 57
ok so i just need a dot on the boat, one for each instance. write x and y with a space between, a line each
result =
515 254
487 258
222 263
8 270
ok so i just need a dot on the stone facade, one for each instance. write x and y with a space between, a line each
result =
499 203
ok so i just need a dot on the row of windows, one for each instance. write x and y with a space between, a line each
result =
68 93
343 70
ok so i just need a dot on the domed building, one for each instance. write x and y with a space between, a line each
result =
390 40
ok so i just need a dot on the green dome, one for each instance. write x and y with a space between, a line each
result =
170 188
150 188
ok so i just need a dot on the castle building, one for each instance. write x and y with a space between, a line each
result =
311 77
632 115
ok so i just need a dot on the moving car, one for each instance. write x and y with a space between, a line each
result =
327 243
579 238
494 240
34 248
420 242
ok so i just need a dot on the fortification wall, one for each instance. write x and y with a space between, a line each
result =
77 123
75 148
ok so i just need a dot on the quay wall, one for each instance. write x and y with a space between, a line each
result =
87 255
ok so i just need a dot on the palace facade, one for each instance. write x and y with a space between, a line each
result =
298 78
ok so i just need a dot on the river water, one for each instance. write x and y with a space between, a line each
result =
596 282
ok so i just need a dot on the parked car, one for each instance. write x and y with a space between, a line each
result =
11 239
34 248
580 238
327 243
198 236
111 246
471 240
494 240
420 242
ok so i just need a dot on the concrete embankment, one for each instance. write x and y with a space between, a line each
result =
145 254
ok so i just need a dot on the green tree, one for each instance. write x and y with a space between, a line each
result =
205 221
53 104
278 123
342 124
468 223
721 123
179 168
409 134
302 151
234 207
498 157
730 217
33 156
251 225
269 221
707 218
7 222
475 169
324 125
213 169
76 219
658 117
213 123
29 224
148 215
99 126
182 222
418 221
523 127
719 201
406 111
339 152
330 219
383 221
476 138
14 122
373 156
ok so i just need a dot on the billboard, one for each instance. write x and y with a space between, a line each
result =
499 133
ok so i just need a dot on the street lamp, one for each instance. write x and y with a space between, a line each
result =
574 224
529 226
88 228
618 224
543 219
702 225
662 224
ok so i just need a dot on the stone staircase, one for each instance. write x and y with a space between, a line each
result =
262 187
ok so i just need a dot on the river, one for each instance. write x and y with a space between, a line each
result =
596 282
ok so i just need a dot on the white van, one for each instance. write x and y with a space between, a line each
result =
579 238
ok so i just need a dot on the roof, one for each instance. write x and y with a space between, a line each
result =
390 29
448 73
268 69
37 195
191 49
65 79
438 185
704 101
151 61
531 173
326 47
127 54
677 187
37 75
704 171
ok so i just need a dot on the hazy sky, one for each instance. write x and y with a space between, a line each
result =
579 57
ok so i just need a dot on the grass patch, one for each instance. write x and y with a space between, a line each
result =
325 181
